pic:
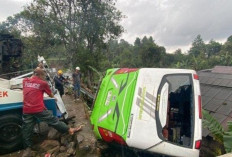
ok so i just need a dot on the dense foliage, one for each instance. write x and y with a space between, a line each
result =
84 33
218 131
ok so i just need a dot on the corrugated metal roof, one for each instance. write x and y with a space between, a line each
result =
223 94
212 91
204 89
219 117
225 108
213 105
216 79
229 98
216 91
205 101
205 132
222 69
225 82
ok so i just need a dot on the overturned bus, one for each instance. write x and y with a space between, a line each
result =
152 109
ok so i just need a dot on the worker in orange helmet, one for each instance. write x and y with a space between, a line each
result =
59 82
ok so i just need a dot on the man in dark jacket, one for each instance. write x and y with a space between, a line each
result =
59 82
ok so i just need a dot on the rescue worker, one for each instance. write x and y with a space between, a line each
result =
34 108
59 82
77 83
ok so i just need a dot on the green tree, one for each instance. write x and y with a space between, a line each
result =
149 53
198 46
125 56
198 63
10 26
213 48
177 60
137 42
69 28
229 39
112 50
78 24
226 52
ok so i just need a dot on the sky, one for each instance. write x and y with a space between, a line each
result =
172 23
11 7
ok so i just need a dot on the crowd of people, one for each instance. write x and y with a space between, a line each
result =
34 109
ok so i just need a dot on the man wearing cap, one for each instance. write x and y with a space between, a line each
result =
34 108
59 82
77 83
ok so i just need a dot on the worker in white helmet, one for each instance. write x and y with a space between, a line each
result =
77 83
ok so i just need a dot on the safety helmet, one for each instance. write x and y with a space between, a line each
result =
78 68
60 72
